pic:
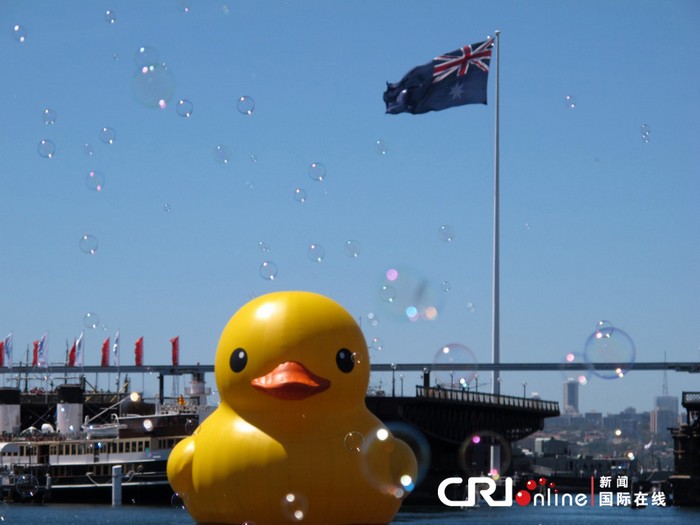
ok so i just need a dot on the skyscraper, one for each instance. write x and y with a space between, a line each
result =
571 396
665 413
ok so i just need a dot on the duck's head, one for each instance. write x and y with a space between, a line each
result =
289 353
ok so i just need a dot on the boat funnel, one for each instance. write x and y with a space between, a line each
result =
69 409
9 410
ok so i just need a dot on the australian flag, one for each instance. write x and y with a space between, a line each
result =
453 79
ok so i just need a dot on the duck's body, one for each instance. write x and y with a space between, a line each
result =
292 440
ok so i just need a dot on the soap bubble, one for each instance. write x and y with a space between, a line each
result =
222 154
268 270
645 132
263 246
295 506
387 293
191 426
27 485
46 148
380 147
372 318
95 180
316 252
378 445
415 439
19 33
352 248
446 233
569 102
353 441
445 286
48 115
300 195
88 244
475 453
153 85
108 135
581 376
177 501
317 171
88 149
245 105
409 295
110 17
91 320
184 108
376 344
454 355
610 346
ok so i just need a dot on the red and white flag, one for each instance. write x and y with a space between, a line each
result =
79 351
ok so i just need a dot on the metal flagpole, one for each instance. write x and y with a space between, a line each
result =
496 350
495 449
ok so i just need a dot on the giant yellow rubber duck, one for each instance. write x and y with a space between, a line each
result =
292 440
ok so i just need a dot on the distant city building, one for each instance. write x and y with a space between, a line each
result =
664 415
571 397
593 420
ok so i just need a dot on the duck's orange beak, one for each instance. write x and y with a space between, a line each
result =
291 381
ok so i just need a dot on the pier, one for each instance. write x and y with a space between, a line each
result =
453 430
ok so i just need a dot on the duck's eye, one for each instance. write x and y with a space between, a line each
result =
239 358
345 360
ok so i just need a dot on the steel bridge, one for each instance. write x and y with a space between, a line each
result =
178 370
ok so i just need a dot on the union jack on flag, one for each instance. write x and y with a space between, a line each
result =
433 86
460 60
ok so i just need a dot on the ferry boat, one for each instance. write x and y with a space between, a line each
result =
75 460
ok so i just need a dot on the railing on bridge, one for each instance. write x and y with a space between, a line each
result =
482 398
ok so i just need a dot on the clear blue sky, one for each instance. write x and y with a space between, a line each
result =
596 223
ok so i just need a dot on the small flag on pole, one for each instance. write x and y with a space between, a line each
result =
7 360
175 342
105 353
43 351
115 350
138 352
453 79
79 350
35 353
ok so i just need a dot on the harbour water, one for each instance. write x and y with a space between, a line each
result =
131 514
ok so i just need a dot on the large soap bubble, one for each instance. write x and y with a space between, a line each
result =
153 84
407 294
612 347
464 362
